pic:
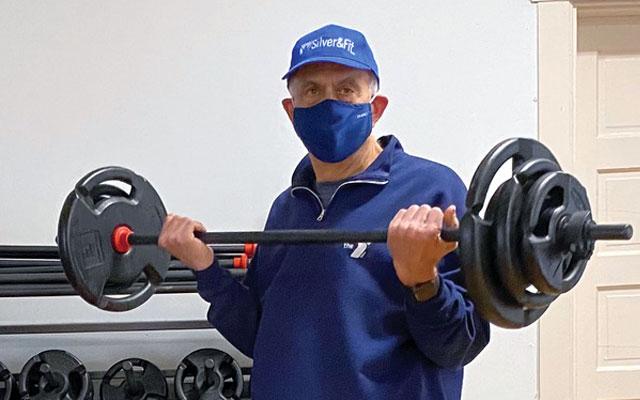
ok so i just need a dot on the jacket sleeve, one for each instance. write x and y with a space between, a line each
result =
234 306
447 328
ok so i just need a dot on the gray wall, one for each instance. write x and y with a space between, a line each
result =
188 94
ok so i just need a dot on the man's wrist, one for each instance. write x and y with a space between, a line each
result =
206 262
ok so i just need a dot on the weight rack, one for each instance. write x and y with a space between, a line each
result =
41 265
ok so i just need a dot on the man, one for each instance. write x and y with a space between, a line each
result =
354 320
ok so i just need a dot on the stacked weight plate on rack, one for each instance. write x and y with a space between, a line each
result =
59 375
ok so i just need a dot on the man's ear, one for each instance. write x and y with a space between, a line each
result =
288 107
378 105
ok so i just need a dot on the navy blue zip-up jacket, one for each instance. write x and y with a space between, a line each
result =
321 324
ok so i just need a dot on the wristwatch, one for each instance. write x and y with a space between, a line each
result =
426 290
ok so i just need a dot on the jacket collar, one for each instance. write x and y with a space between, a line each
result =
378 171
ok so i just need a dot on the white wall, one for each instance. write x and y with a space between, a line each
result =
188 94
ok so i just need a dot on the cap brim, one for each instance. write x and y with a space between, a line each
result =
336 60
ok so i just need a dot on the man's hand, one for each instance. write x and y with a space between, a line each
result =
415 244
177 237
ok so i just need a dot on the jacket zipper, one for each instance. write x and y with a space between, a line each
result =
322 208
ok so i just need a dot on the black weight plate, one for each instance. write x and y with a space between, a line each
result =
6 383
55 375
84 235
551 265
509 232
479 265
133 379
208 374
518 150
507 248
529 172
103 192
477 253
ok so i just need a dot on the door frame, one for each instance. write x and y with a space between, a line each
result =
557 23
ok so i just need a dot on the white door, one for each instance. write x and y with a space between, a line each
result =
607 161
589 70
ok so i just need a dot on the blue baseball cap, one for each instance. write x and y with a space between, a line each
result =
335 44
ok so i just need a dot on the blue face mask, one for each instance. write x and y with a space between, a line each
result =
333 130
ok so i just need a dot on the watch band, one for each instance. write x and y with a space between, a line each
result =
426 290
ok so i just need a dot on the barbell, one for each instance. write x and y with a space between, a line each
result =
531 245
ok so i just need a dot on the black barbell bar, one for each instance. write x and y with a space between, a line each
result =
52 253
56 274
285 236
41 289
123 237
65 289
595 231
23 267
25 251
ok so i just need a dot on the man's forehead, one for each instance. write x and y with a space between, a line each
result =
328 71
